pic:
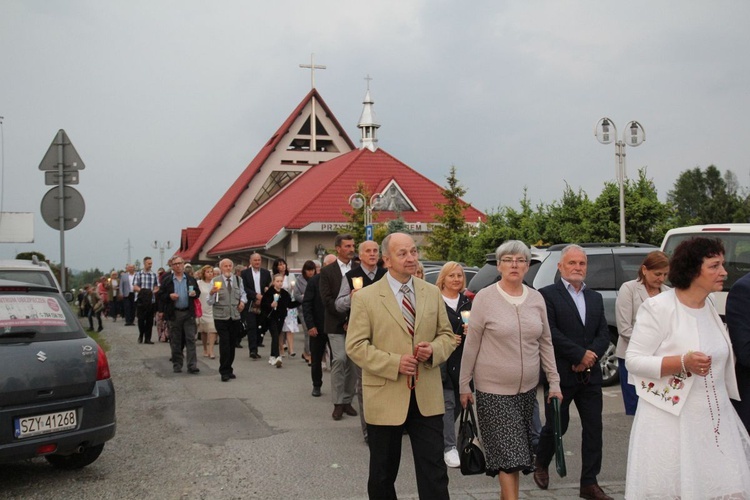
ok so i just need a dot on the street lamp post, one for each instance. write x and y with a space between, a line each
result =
633 135
161 246
357 201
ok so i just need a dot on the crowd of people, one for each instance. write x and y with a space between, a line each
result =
413 354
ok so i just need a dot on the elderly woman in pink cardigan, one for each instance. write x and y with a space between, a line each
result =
508 341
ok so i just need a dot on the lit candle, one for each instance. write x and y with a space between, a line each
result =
357 282
218 284
276 297
465 316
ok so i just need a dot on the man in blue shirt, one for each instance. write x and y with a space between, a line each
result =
177 296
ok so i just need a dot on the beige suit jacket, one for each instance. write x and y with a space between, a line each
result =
377 338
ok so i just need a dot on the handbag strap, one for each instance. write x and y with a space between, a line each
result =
467 415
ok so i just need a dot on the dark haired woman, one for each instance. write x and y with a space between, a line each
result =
308 271
632 294
687 440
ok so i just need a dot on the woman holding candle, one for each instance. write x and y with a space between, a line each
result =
290 325
451 281
274 305
508 340
686 441
308 271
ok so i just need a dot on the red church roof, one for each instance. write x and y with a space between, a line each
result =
321 194
194 238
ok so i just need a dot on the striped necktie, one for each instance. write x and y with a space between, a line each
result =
407 308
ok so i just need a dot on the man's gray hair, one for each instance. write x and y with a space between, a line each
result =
512 247
384 245
570 247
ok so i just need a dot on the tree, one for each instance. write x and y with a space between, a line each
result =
706 197
449 239
568 221
645 216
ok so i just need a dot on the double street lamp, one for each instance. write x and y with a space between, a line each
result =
357 201
633 135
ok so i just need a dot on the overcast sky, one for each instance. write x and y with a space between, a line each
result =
167 102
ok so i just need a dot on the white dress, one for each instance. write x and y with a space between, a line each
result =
704 453
290 322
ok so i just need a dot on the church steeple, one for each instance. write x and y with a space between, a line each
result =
368 122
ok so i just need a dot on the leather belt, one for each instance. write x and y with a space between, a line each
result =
183 309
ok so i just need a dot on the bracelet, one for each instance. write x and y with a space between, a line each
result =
682 362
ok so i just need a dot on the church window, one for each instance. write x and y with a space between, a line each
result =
277 180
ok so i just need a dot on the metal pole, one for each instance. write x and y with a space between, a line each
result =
620 152
61 205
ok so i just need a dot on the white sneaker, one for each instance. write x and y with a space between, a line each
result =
278 362
271 360
451 458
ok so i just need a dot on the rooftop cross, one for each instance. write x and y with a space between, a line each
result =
312 67
368 78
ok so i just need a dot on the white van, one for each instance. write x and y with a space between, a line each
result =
736 239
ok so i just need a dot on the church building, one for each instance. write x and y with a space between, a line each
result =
290 200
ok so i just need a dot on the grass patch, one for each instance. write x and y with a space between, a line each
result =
97 336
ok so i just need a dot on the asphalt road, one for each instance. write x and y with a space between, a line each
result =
259 436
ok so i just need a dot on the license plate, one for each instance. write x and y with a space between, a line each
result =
45 424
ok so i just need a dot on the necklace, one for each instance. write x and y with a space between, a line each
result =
715 419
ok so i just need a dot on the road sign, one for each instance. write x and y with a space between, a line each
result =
74 208
71 160
368 232
53 178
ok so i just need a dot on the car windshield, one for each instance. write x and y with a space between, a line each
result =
40 315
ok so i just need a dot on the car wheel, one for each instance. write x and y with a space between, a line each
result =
76 460
609 365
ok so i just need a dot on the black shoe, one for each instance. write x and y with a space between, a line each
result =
238 346
177 369
129 324
140 341
99 329
193 371
254 355
225 378
316 392
232 375
148 342
261 345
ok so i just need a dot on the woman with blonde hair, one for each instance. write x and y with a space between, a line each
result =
206 326
452 281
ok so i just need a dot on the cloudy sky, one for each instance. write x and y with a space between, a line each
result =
168 101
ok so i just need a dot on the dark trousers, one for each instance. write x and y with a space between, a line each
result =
317 349
128 304
229 331
629 397
426 436
588 400
92 315
182 332
146 323
250 330
274 327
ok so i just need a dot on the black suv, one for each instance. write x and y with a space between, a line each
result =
609 266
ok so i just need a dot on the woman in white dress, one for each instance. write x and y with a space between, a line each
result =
687 440
206 326
291 326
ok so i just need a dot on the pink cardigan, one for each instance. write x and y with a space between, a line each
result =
506 345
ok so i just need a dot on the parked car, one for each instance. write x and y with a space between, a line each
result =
31 271
736 239
57 399
609 266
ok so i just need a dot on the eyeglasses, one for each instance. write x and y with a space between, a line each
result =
176 263
518 262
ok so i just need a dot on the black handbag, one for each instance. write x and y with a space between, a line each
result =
469 449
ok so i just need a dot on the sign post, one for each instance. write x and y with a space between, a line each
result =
61 163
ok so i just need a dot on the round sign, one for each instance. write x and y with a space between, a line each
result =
73 207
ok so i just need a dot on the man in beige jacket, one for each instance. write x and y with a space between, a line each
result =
399 334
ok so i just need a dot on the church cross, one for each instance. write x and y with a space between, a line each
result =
312 67
368 78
